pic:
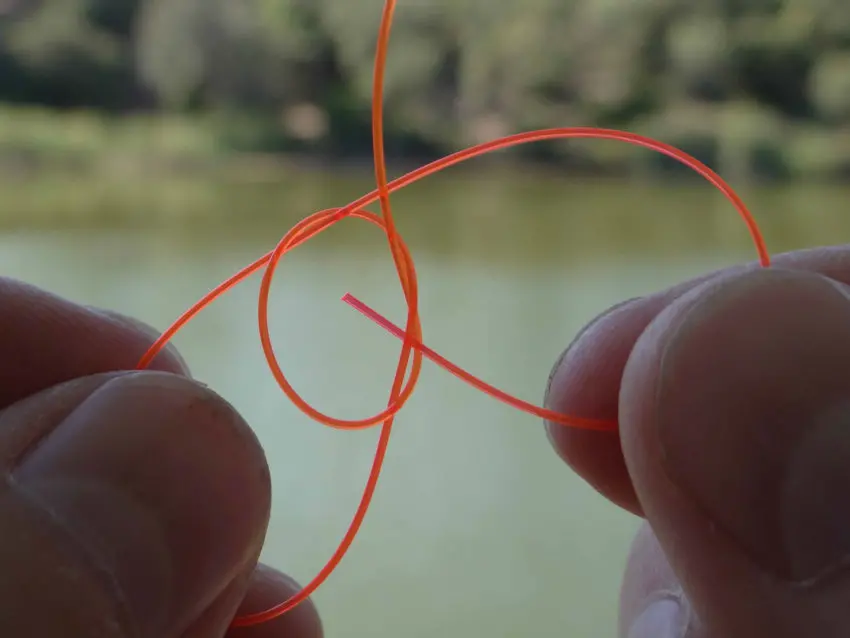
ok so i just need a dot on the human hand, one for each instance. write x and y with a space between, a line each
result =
102 541
733 398
132 504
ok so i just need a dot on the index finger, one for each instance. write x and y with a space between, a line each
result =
586 378
46 340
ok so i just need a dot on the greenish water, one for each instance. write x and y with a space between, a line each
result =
477 528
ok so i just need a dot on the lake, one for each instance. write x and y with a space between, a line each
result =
477 528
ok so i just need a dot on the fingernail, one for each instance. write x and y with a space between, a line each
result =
754 417
164 487
661 619
563 357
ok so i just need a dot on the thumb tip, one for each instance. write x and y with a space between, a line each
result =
729 409
153 487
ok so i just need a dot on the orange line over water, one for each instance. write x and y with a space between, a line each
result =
412 350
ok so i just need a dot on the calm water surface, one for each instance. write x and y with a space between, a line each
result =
477 528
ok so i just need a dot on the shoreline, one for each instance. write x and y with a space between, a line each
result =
36 142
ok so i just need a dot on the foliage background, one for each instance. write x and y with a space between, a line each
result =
761 87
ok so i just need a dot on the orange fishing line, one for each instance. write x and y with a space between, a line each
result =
413 349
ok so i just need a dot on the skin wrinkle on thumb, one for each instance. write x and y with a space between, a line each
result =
25 424
49 587
94 565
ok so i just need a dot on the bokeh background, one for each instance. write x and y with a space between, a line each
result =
149 148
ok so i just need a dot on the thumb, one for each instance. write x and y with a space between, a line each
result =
131 505
735 419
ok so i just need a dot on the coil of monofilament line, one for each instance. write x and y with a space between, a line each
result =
413 349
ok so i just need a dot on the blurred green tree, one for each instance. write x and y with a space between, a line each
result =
68 54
